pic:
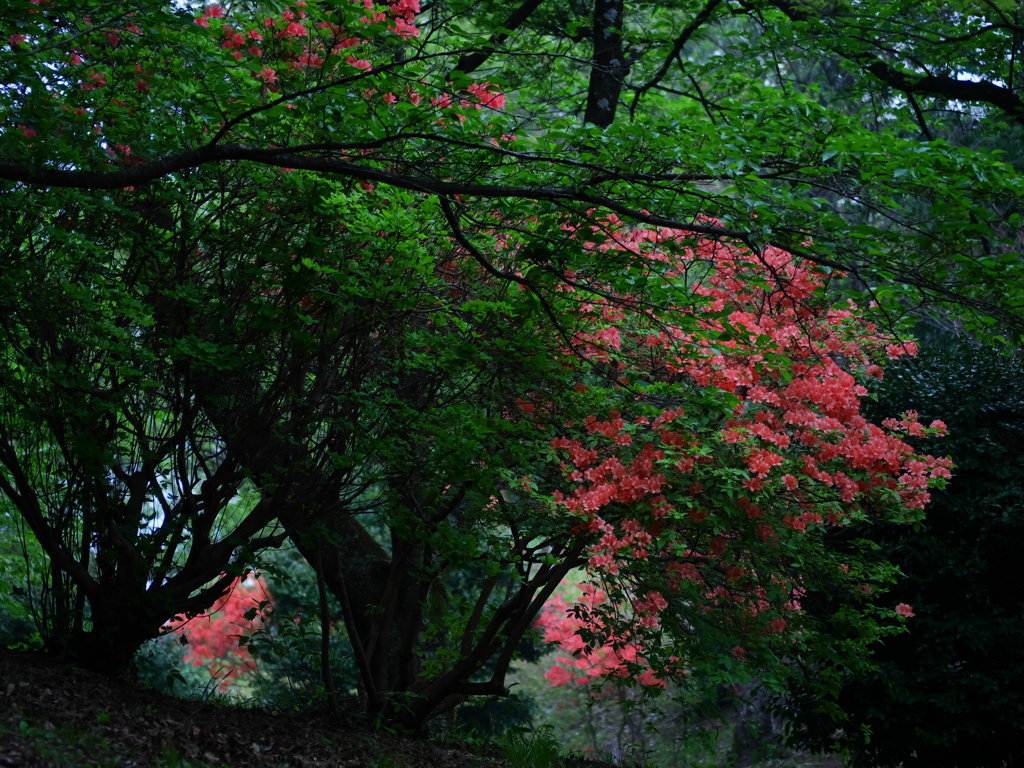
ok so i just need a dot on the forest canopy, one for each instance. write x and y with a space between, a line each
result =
460 298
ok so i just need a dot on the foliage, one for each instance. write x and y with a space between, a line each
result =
614 720
390 96
21 561
159 665
285 644
709 506
260 643
311 275
212 640
948 690
529 749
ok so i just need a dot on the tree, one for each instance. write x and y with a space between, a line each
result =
108 460
341 284
663 502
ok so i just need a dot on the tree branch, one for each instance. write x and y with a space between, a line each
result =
470 62
677 48
942 86
150 171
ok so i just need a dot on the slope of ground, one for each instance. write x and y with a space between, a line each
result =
54 714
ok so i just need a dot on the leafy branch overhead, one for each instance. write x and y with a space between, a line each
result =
776 164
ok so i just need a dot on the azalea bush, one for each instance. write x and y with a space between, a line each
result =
202 654
211 640
615 718
260 643
707 492
591 700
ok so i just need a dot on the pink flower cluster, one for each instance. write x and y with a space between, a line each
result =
706 501
561 624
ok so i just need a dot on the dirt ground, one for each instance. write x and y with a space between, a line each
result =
53 714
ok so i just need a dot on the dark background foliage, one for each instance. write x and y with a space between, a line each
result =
947 693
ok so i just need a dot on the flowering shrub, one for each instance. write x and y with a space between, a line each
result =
112 73
585 666
735 442
211 639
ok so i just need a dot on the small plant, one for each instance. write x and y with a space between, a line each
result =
285 648
529 748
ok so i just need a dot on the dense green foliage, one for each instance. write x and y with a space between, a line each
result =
779 121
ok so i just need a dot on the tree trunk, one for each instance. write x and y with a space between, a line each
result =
121 624
359 572
608 68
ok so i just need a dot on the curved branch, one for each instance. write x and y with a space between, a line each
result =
677 47
461 239
332 166
942 86
470 62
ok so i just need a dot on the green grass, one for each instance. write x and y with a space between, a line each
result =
535 748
